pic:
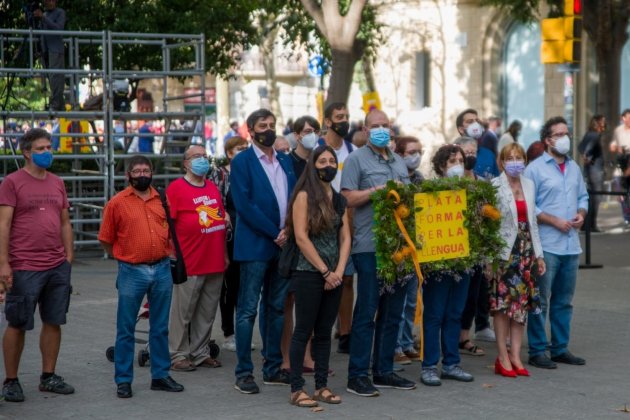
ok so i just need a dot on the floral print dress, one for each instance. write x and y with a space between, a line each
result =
513 289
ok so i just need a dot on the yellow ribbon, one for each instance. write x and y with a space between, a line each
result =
393 194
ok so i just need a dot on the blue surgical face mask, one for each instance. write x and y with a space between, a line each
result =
453 171
199 166
43 160
379 137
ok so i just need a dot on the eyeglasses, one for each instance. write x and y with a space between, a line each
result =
140 172
198 155
558 135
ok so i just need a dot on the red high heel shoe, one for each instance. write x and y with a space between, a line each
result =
521 371
500 370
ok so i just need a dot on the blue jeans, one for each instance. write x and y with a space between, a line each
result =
134 281
405 331
383 333
444 299
257 277
557 287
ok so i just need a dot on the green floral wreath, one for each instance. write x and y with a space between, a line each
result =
482 219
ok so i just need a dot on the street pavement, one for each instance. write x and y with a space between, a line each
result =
599 390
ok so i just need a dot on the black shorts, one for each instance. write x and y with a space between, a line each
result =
49 289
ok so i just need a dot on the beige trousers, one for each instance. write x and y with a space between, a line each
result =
193 310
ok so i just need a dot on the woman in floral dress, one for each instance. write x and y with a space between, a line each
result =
514 290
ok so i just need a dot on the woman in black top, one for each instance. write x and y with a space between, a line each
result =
318 220
591 150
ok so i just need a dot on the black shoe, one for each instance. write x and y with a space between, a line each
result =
124 390
344 344
56 384
393 381
166 384
542 361
12 391
280 378
362 386
569 359
246 385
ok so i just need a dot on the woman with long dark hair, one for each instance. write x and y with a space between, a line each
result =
318 220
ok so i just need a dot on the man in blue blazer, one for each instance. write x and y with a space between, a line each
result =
261 182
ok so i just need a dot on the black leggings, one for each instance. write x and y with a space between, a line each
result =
229 293
315 313
477 303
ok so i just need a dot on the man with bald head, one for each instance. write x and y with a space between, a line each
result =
366 170
200 223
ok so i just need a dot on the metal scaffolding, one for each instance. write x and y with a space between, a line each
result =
91 167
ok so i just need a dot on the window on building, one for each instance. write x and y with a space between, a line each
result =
423 79
625 76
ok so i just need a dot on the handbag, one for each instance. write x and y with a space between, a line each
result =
178 267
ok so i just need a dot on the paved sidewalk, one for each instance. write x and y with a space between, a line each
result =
601 334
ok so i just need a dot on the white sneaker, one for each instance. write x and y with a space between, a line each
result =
230 344
485 335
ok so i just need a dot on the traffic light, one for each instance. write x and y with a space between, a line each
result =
572 30
561 36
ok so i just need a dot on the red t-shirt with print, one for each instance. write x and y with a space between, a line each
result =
200 225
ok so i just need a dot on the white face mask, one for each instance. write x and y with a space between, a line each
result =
309 141
474 130
453 171
412 161
563 145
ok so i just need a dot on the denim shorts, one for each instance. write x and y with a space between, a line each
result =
49 289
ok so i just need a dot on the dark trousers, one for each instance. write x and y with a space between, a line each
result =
315 313
229 293
477 302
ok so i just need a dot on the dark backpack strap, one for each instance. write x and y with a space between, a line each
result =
171 223
349 146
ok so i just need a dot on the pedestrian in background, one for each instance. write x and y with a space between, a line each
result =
590 149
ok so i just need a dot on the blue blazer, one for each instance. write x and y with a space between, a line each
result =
258 214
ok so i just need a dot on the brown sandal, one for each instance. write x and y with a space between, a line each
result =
210 363
301 399
328 399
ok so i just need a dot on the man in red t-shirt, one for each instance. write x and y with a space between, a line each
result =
36 251
200 224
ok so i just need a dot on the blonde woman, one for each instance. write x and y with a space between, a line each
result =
514 289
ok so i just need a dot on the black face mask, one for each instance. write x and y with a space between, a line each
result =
341 128
327 173
266 138
469 162
141 183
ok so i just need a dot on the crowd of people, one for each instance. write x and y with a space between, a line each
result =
282 237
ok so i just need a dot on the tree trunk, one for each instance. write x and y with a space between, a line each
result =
609 86
366 63
342 72
606 23
267 50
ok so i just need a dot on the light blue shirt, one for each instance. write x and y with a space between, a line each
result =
559 195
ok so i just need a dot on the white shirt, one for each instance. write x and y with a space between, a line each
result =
621 137
277 179
342 153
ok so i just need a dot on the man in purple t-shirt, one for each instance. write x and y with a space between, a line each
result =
36 251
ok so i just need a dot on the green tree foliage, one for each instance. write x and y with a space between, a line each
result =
226 25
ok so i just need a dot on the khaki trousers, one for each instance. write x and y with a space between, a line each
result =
193 310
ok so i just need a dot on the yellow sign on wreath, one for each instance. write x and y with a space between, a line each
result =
440 225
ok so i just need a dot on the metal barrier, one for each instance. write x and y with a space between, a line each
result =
96 169
587 228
